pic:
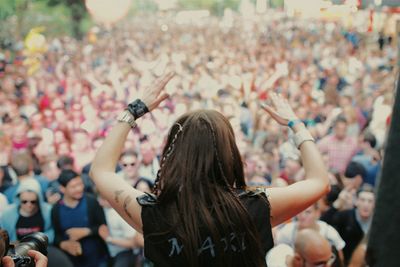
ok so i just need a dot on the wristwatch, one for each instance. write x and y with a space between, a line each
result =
137 108
127 117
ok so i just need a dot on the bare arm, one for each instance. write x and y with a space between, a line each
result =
289 201
120 194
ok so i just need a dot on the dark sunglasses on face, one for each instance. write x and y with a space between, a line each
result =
129 164
30 201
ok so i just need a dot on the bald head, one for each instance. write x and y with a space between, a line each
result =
312 246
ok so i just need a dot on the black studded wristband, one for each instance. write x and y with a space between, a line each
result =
137 108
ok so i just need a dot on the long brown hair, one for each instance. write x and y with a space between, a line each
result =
201 171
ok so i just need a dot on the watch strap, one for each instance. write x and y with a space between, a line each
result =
127 117
137 108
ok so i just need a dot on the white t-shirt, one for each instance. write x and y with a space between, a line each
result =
118 228
287 234
276 257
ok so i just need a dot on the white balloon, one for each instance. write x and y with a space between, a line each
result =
108 11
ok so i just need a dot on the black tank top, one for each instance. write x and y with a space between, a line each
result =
167 250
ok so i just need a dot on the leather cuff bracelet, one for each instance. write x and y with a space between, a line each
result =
137 108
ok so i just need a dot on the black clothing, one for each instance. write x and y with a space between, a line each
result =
349 229
29 225
166 249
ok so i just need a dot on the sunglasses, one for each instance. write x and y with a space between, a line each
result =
129 164
30 201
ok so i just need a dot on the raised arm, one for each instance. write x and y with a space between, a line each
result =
120 194
289 201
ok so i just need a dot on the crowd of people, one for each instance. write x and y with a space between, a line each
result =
340 83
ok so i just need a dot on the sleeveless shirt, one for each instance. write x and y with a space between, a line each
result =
164 249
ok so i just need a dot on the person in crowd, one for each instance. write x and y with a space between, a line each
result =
76 220
353 224
308 219
130 163
22 165
149 163
53 193
346 199
310 249
201 212
82 149
28 214
369 157
339 146
119 236
50 172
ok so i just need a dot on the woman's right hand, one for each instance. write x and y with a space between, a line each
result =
282 112
155 93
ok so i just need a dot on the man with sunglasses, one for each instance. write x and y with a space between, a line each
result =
28 214
129 162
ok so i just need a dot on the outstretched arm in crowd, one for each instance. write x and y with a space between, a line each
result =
289 201
120 194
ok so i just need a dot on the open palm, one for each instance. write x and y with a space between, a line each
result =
282 112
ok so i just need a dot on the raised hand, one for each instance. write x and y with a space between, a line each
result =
282 111
155 93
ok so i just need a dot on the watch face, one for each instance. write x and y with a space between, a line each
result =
137 108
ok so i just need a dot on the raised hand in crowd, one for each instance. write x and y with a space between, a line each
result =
288 201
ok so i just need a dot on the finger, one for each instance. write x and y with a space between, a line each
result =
38 257
270 110
275 100
160 82
8 262
159 100
165 79
279 100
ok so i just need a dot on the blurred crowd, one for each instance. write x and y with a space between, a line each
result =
339 81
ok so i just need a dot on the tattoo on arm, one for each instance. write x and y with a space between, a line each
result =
127 200
117 194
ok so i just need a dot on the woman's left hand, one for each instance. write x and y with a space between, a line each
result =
155 93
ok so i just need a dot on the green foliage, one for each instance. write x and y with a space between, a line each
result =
7 8
77 12
144 6
277 3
